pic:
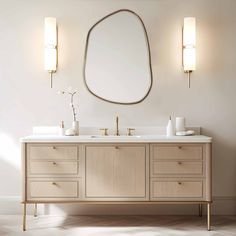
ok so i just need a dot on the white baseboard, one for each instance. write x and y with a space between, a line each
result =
222 205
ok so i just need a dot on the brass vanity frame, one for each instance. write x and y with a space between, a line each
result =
208 203
200 204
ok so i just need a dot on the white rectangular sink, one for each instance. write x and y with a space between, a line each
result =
115 137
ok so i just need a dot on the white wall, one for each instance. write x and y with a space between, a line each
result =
26 99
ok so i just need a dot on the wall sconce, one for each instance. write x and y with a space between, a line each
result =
189 43
50 44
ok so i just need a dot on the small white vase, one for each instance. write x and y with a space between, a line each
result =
169 129
75 126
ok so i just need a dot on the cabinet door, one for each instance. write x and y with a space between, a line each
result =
99 171
116 172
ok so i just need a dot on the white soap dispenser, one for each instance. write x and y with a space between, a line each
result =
169 128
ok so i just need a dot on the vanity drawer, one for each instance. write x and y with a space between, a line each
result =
170 189
52 152
53 167
53 188
177 168
177 151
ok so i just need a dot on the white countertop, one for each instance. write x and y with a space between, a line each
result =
116 139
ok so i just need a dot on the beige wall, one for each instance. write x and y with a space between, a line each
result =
26 99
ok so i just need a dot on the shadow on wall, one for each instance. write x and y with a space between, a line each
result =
10 165
224 163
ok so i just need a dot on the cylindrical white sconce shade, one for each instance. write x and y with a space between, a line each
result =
50 31
50 60
189 59
189 43
50 44
189 31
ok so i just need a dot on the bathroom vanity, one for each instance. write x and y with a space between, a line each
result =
151 169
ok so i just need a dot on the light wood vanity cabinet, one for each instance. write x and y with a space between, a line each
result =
180 172
116 172
53 172
149 173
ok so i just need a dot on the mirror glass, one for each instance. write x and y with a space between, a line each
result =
117 65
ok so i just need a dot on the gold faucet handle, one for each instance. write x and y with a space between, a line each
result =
105 133
129 131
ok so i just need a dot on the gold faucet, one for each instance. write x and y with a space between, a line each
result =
117 127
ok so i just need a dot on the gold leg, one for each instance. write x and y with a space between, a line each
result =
208 216
24 217
35 210
200 210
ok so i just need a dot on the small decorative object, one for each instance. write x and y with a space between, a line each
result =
169 128
185 133
62 131
75 124
180 124
70 132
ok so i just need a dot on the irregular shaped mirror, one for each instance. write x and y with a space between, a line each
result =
117 65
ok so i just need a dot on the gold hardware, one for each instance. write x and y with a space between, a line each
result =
117 127
208 216
105 133
35 210
189 78
129 131
50 73
24 217
200 210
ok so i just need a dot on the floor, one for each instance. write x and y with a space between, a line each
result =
117 226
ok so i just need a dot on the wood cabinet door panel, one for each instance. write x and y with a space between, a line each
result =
115 171
99 172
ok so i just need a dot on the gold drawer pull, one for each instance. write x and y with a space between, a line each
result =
179 162
179 183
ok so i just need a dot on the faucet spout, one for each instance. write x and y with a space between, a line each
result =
117 127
